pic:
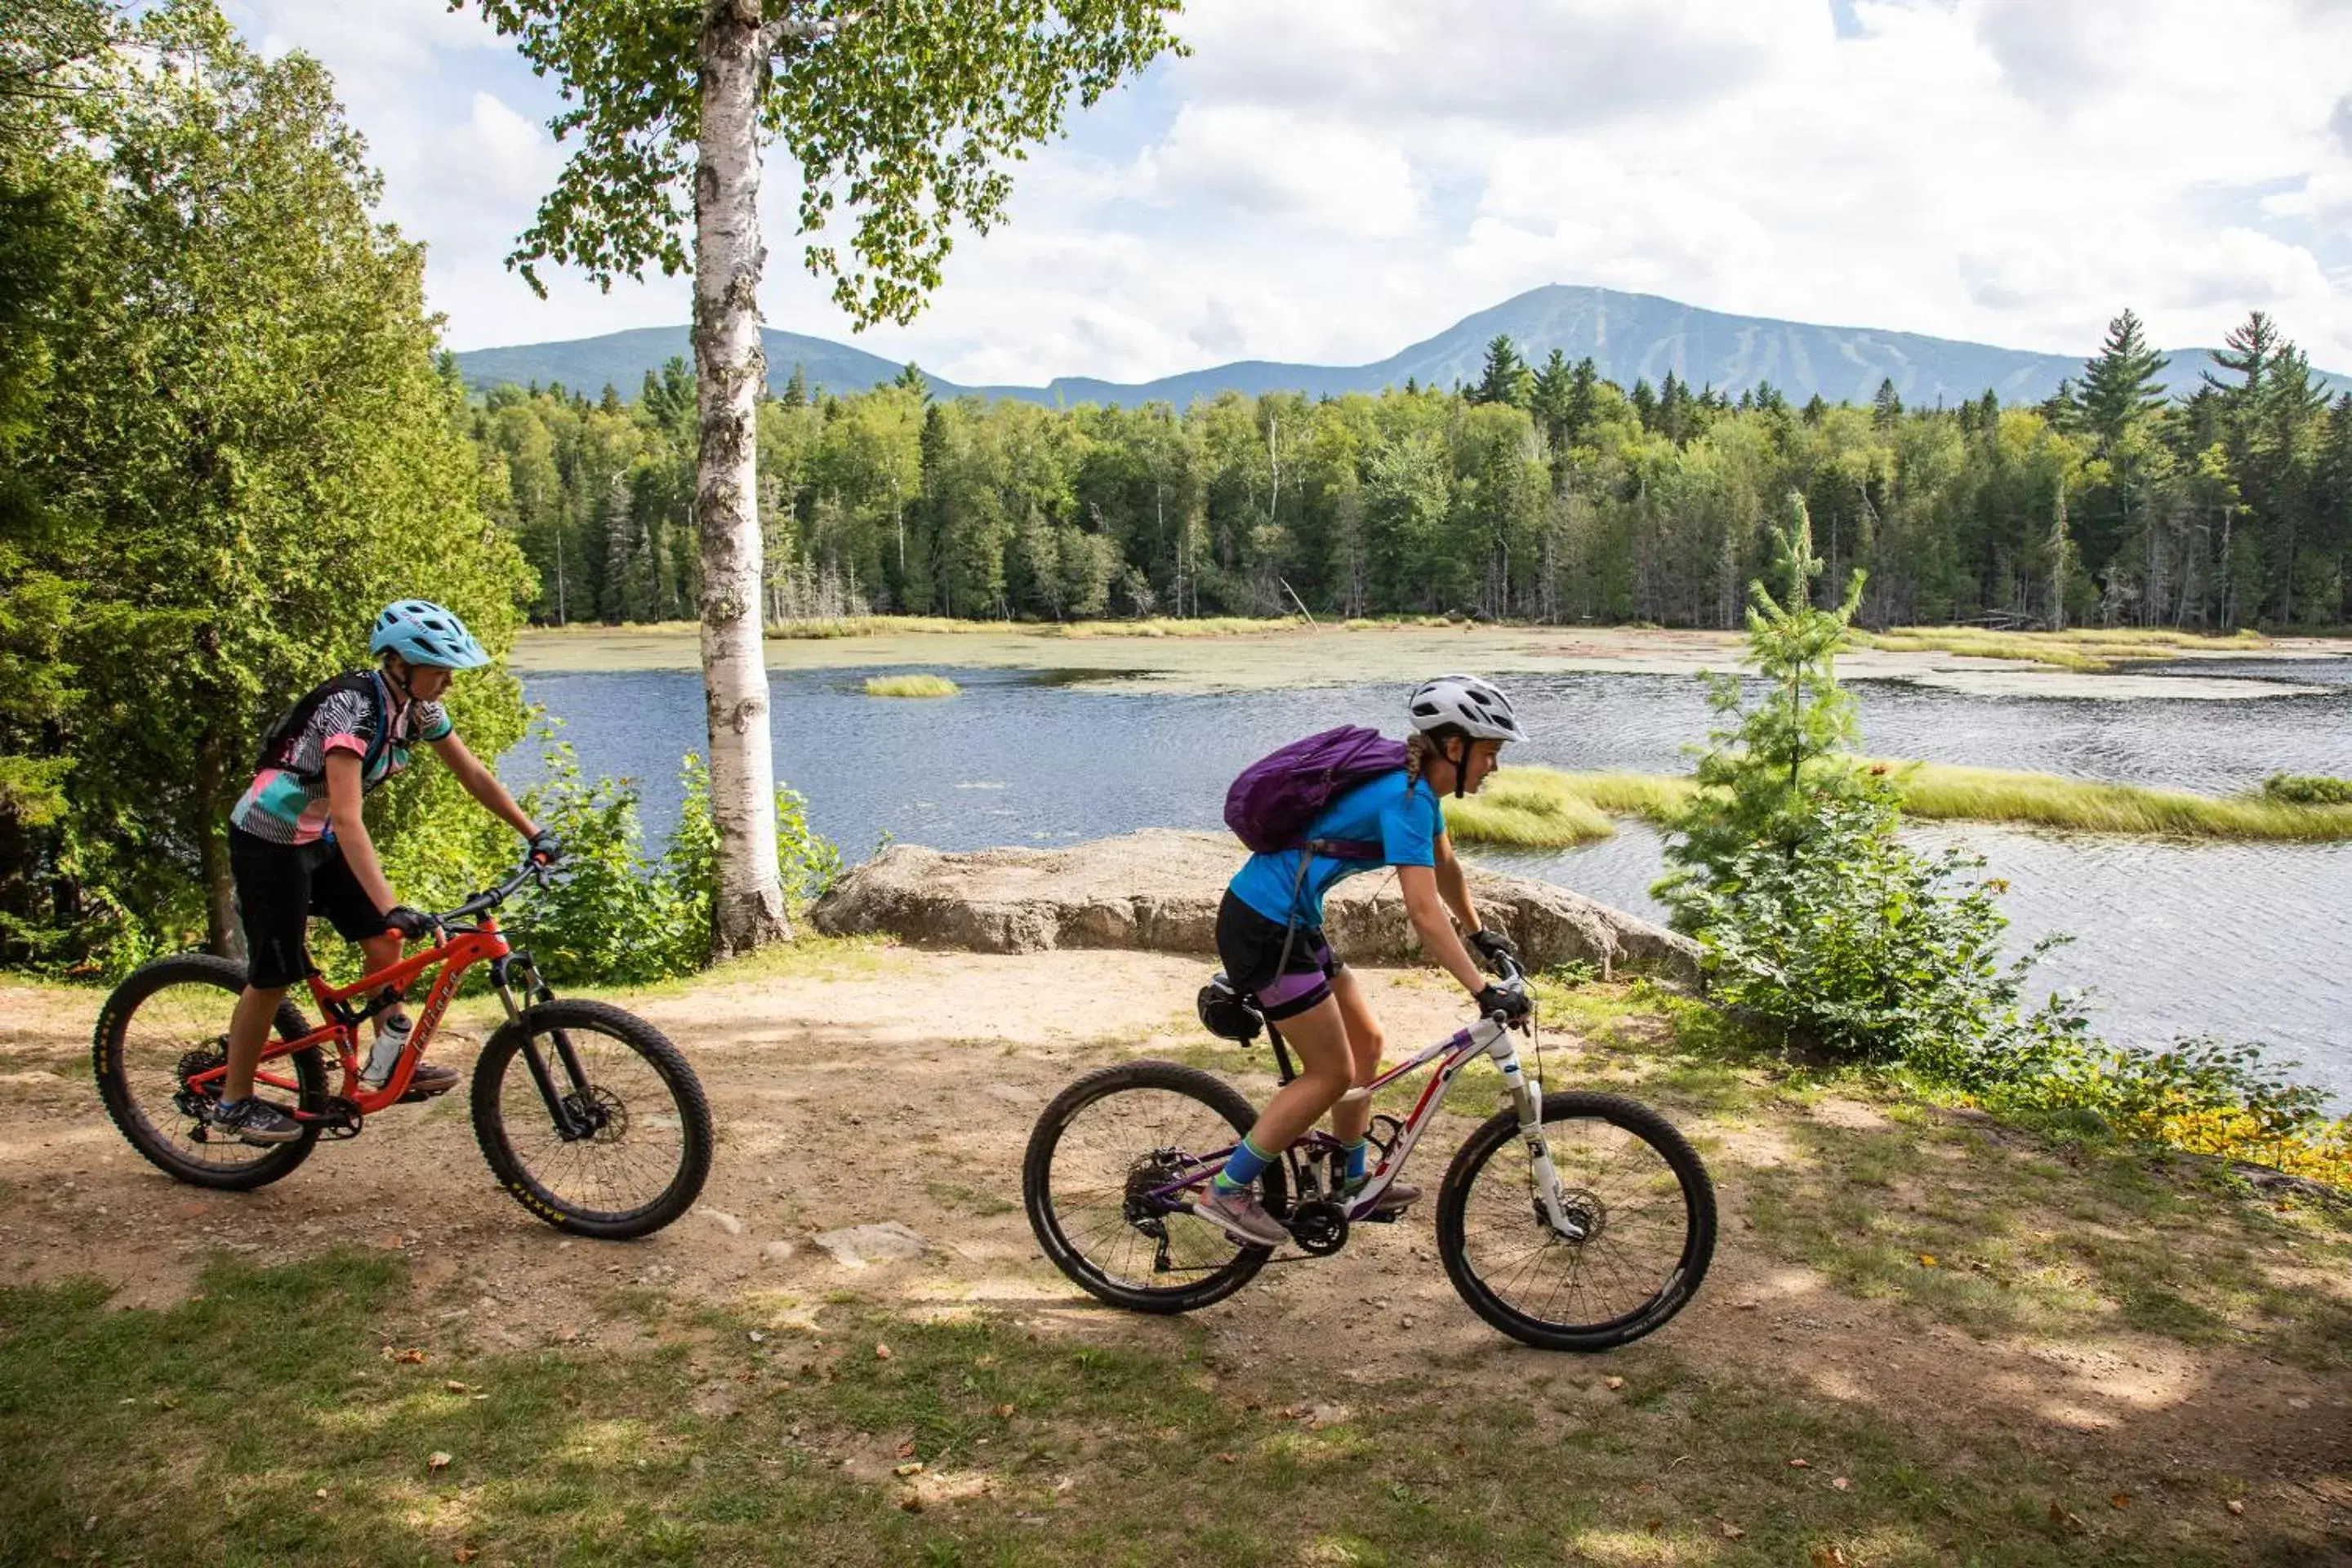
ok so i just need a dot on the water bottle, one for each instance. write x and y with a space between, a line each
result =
389 1044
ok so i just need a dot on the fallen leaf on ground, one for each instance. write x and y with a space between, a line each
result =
454 1387
320 1493
881 1353
1839 1482
1800 1464
1729 1530
1004 1413
2070 1523
915 1469
1927 1260
1230 1460
411 1356
911 1500
1828 1557
436 1460
2235 1505
1615 1383
465 1555
2121 1499
906 1447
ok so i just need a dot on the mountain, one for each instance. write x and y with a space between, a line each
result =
1629 337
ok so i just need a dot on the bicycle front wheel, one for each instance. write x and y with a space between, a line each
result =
1627 1179
168 1021
1097 1176
592 1120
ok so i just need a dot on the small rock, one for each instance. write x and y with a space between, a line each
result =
779 1251
858 1245
723 1220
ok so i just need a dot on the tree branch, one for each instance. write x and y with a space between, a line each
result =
791 29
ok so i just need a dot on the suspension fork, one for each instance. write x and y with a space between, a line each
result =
1526 1099
568 1123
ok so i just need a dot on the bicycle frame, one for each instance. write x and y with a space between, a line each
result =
1487 1038
455 955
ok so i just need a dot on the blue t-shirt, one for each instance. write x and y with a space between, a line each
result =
1402 820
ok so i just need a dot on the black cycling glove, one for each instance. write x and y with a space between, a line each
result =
408 922
1512 1005
547 848
1493 944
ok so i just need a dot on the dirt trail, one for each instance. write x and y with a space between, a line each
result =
902 1085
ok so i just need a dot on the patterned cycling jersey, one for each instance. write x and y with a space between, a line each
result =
286 801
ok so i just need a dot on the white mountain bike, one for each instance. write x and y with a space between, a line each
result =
1569 1221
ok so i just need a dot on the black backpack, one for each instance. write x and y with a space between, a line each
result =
285 730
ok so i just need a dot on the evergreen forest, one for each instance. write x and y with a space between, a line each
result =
1543 492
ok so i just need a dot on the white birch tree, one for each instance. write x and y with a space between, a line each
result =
900 115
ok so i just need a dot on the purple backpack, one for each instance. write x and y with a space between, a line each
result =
1277 798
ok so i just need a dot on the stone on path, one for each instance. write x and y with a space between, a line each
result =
723 1220
860 1244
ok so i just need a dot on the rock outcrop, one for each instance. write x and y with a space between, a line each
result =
1158 889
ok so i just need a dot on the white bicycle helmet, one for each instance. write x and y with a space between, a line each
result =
1465 703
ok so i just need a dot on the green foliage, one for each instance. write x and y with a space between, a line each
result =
2308 789
1770 768
617 916
1822 929
244 447
1854 944
897 117
1817 920
1568 510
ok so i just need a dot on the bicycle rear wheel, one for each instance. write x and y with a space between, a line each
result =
592 1120
1100 1152
1626 1177
170 1019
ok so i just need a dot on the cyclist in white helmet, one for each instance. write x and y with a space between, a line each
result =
1270 939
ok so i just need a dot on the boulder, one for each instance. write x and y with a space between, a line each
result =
1158 889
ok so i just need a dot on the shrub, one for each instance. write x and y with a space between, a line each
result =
617 917
2308 789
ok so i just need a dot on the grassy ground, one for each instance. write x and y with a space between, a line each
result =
1535 807
1983 1343
2090 649
246 1425
910 686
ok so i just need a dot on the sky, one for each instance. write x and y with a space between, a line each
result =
1327 181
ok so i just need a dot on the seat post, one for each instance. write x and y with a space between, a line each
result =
1281 1052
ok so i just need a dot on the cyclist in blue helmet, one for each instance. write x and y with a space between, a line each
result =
299 848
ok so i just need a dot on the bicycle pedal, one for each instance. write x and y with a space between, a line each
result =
1380 1216
416 1096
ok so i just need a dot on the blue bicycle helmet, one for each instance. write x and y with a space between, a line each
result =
421 632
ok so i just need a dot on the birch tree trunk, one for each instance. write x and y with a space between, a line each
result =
749 909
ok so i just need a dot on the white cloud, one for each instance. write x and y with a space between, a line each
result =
1276 164
1329 180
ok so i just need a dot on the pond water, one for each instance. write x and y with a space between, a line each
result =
2245 941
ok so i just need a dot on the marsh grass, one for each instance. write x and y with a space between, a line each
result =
2092 650
711 1445
1541 808
910 686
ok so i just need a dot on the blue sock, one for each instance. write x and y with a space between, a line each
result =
1243 1168
1360 1159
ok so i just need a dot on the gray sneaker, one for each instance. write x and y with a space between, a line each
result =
1243 1216
253 1119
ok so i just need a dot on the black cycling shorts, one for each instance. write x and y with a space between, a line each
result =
278 887
1250 947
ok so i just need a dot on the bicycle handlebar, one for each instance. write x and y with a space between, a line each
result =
532 869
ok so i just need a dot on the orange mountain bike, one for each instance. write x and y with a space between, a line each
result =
590 1117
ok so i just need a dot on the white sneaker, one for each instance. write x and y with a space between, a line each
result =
1243 1216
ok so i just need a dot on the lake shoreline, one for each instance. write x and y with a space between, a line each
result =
1290 656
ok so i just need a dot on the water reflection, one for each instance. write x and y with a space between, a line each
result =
2247 940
